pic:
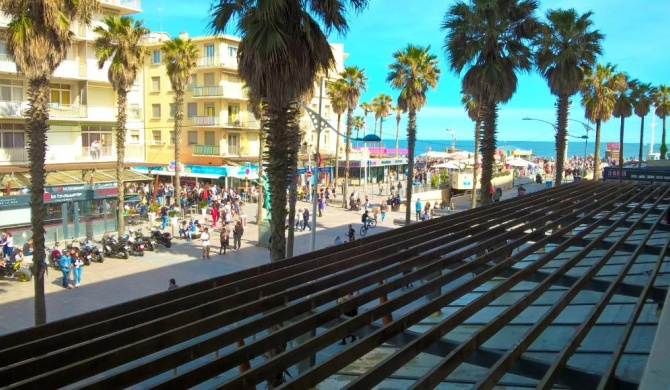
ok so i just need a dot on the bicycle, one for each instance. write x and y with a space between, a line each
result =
372 223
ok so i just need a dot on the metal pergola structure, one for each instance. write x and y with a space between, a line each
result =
555 289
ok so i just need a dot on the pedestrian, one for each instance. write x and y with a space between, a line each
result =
337 241
382 210
78 264
322 206
237 235
351 233
215 213
172 284
351 313
65 264
164 216
305 220
225 240
204 237
418 208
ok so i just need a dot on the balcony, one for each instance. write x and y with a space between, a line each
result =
20 109
134 113
134 5
13 155
205 120
254 124
217 61
234 150
207 91
7 64
206 150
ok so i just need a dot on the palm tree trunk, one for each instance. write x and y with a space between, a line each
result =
178 117
490 116
664 147
623 119
122 99
411 143
337 149
347 150
397 132
562 112
381 123
473 198
282 143
639 162
596 157
38 115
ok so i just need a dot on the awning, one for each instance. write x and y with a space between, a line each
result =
205 171
70 177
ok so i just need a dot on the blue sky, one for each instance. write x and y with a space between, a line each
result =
634 42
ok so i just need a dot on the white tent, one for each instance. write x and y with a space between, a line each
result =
519 162
449 165
433 154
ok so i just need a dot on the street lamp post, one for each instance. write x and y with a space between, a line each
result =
315 187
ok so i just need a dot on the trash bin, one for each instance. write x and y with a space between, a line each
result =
243 217
548 184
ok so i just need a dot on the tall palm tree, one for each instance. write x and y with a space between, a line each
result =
661 99
367 108
338 105
381 106
180 58
492 40
398 111
119 41
358 122
598 97
38 36
565 44
623 108
282 48
354 83
474 113
642 94
413 73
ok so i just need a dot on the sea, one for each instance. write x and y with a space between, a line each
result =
544 149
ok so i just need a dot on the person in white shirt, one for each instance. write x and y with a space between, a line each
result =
205 243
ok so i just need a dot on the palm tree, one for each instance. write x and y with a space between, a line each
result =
474 113
180 58
280 64
119 41
642 94
381 106
661 98
339 107
623 108
367 108
358 122
598 97
398 111
565 45
354 82
38 36
413 73
492 39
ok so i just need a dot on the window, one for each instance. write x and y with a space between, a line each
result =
102 134
209 51
11 90
233 79
232 51
326 112
233 113
192 109
209 80
156 111
155 84
156 57
12 135
172 110
210 138
60 94
209 110
172 138
134 136
192 138
156 137
194 81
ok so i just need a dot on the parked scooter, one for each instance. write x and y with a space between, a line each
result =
91 251
135 248
161 238
112 247
13 269
53 257
149 243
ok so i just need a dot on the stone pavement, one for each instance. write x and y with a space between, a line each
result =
117 280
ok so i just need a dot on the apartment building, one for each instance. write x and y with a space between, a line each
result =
219 129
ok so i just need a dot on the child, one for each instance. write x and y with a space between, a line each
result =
351 233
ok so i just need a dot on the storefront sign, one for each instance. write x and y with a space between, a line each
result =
103 193
57 197
14 201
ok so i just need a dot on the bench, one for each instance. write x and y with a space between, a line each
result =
401 221
442 212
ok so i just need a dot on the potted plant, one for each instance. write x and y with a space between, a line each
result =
203 206
152 209
174 217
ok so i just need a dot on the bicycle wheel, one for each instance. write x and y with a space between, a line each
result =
372 223
363 231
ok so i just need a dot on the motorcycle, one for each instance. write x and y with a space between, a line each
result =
53 257
149 243
91 251
13 269
112 247
135 247
161 238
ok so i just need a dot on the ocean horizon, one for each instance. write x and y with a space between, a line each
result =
539 148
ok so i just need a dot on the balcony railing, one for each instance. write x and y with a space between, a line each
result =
206 150
134 4
205 120
243 124
6 63
207 91
234 150
13 155
10 109
213 61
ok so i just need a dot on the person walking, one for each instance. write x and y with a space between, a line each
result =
418 208
305 220
225 240
237 236
215 213
382 210
164 216
205 243
351 233
351 313
78 264
65 264
322 206
172 284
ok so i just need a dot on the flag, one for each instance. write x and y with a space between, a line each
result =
319 160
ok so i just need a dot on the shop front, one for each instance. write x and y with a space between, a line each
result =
374 170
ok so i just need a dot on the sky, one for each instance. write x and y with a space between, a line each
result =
634 42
